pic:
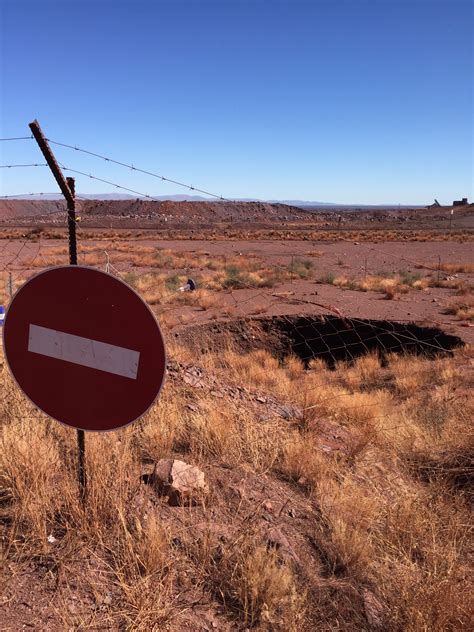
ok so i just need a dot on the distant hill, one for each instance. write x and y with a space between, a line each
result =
306 204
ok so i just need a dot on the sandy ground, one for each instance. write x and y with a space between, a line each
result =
297 296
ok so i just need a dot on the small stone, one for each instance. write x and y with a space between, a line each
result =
262 400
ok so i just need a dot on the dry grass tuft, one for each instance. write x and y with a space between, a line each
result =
451 268
463 309
262 587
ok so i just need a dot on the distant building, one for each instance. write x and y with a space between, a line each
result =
462 202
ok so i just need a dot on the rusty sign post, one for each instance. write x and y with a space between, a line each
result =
67 186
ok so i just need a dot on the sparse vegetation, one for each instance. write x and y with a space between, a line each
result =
375 475
451 268
462 308
392 284
289 232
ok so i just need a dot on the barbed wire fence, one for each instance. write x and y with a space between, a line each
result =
235 280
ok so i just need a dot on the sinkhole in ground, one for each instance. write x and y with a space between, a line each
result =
331 338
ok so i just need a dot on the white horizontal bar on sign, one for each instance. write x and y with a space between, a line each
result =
83 351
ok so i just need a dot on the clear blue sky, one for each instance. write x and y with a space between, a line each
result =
346 101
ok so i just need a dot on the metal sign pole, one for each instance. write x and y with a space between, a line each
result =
67 186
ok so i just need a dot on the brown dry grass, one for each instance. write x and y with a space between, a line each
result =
392 285
452 268
158 273
3 288
462 308
386 528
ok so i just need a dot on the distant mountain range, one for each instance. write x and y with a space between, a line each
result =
197 198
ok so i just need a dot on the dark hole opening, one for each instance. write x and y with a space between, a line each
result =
330 338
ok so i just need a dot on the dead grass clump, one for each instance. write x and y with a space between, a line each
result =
163 289
343 535
462 286
212 433
410 374
198 298
390 285
232 437
4 292
305 463
424 545
237 278
30 468
256 584
294 368
452 268
258 369
462 309
140 562
364 373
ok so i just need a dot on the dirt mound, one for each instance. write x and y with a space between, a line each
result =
11 209
189 212
162 211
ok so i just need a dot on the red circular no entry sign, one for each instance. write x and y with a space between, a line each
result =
84 348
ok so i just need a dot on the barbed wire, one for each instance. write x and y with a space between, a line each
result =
22 195
20 273
114 184
34 164
15 257
190 187
17 138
